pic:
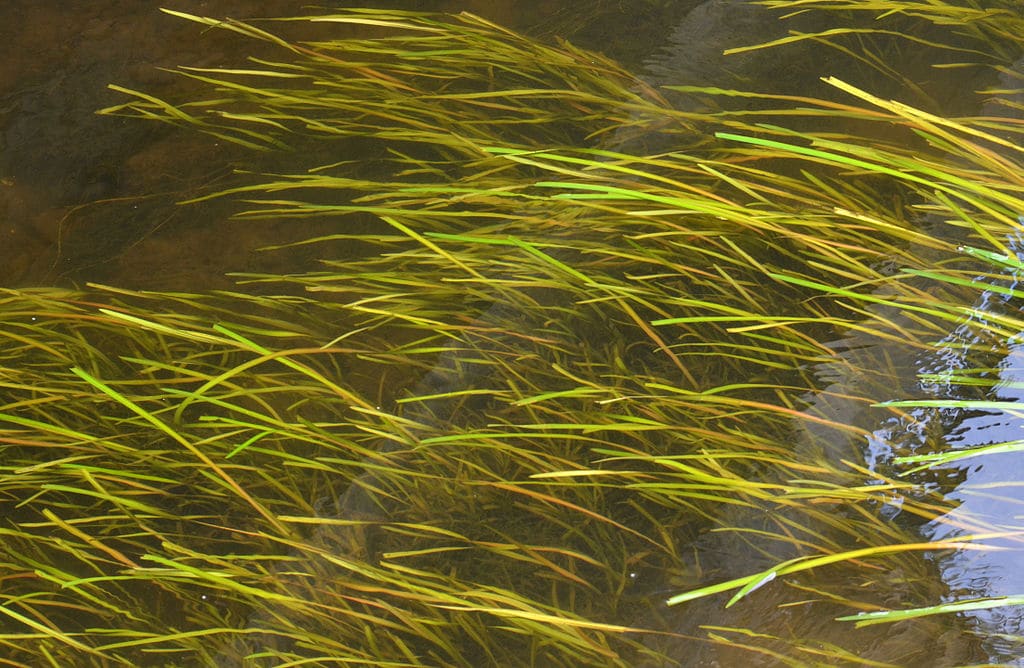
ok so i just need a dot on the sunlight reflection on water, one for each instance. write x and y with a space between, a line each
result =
992 493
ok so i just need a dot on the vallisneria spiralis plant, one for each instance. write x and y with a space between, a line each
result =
596 388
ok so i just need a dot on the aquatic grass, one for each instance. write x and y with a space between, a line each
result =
175 566
556 507
890 616
389 84
991 26
503 431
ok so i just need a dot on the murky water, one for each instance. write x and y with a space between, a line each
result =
88 198
65 173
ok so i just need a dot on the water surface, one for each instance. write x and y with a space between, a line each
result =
88 198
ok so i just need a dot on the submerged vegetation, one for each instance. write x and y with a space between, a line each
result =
598 389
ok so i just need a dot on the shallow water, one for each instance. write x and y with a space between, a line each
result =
87 198
66 173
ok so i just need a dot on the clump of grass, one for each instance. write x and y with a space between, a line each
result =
547 417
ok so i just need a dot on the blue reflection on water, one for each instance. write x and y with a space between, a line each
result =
990 492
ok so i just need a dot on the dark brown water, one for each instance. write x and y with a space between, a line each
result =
89 198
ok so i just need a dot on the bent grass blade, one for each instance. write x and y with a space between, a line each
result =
749 583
